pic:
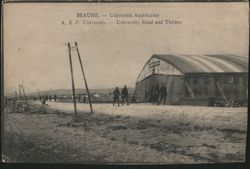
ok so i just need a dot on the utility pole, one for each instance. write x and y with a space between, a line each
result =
20 94
23 93
16 95
72 79
85 81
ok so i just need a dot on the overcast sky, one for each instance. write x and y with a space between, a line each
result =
35 53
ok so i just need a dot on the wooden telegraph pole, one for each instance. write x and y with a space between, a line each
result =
24 93
72 79
20 94
16 95
85 81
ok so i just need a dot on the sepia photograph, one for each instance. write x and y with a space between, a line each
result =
125 83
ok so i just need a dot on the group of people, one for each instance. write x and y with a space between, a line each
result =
48 98
159 94
44 99
123 94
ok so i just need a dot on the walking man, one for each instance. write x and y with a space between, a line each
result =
116 95
125 95
163 94
55 97
156 91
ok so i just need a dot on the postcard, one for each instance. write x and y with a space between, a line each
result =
125 83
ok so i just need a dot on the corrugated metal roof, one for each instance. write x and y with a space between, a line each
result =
206 63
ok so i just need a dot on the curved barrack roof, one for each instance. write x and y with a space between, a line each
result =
204 63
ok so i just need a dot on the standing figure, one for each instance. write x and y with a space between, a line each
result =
55 97
44 101
116 95
84 99
125 95
50 98
79 98
156 91
163 94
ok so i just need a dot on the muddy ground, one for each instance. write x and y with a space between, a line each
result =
139 133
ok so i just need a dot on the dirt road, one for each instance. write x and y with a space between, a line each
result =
140 133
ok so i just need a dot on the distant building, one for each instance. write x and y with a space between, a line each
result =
195 80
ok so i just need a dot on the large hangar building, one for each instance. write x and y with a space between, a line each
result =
195 80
